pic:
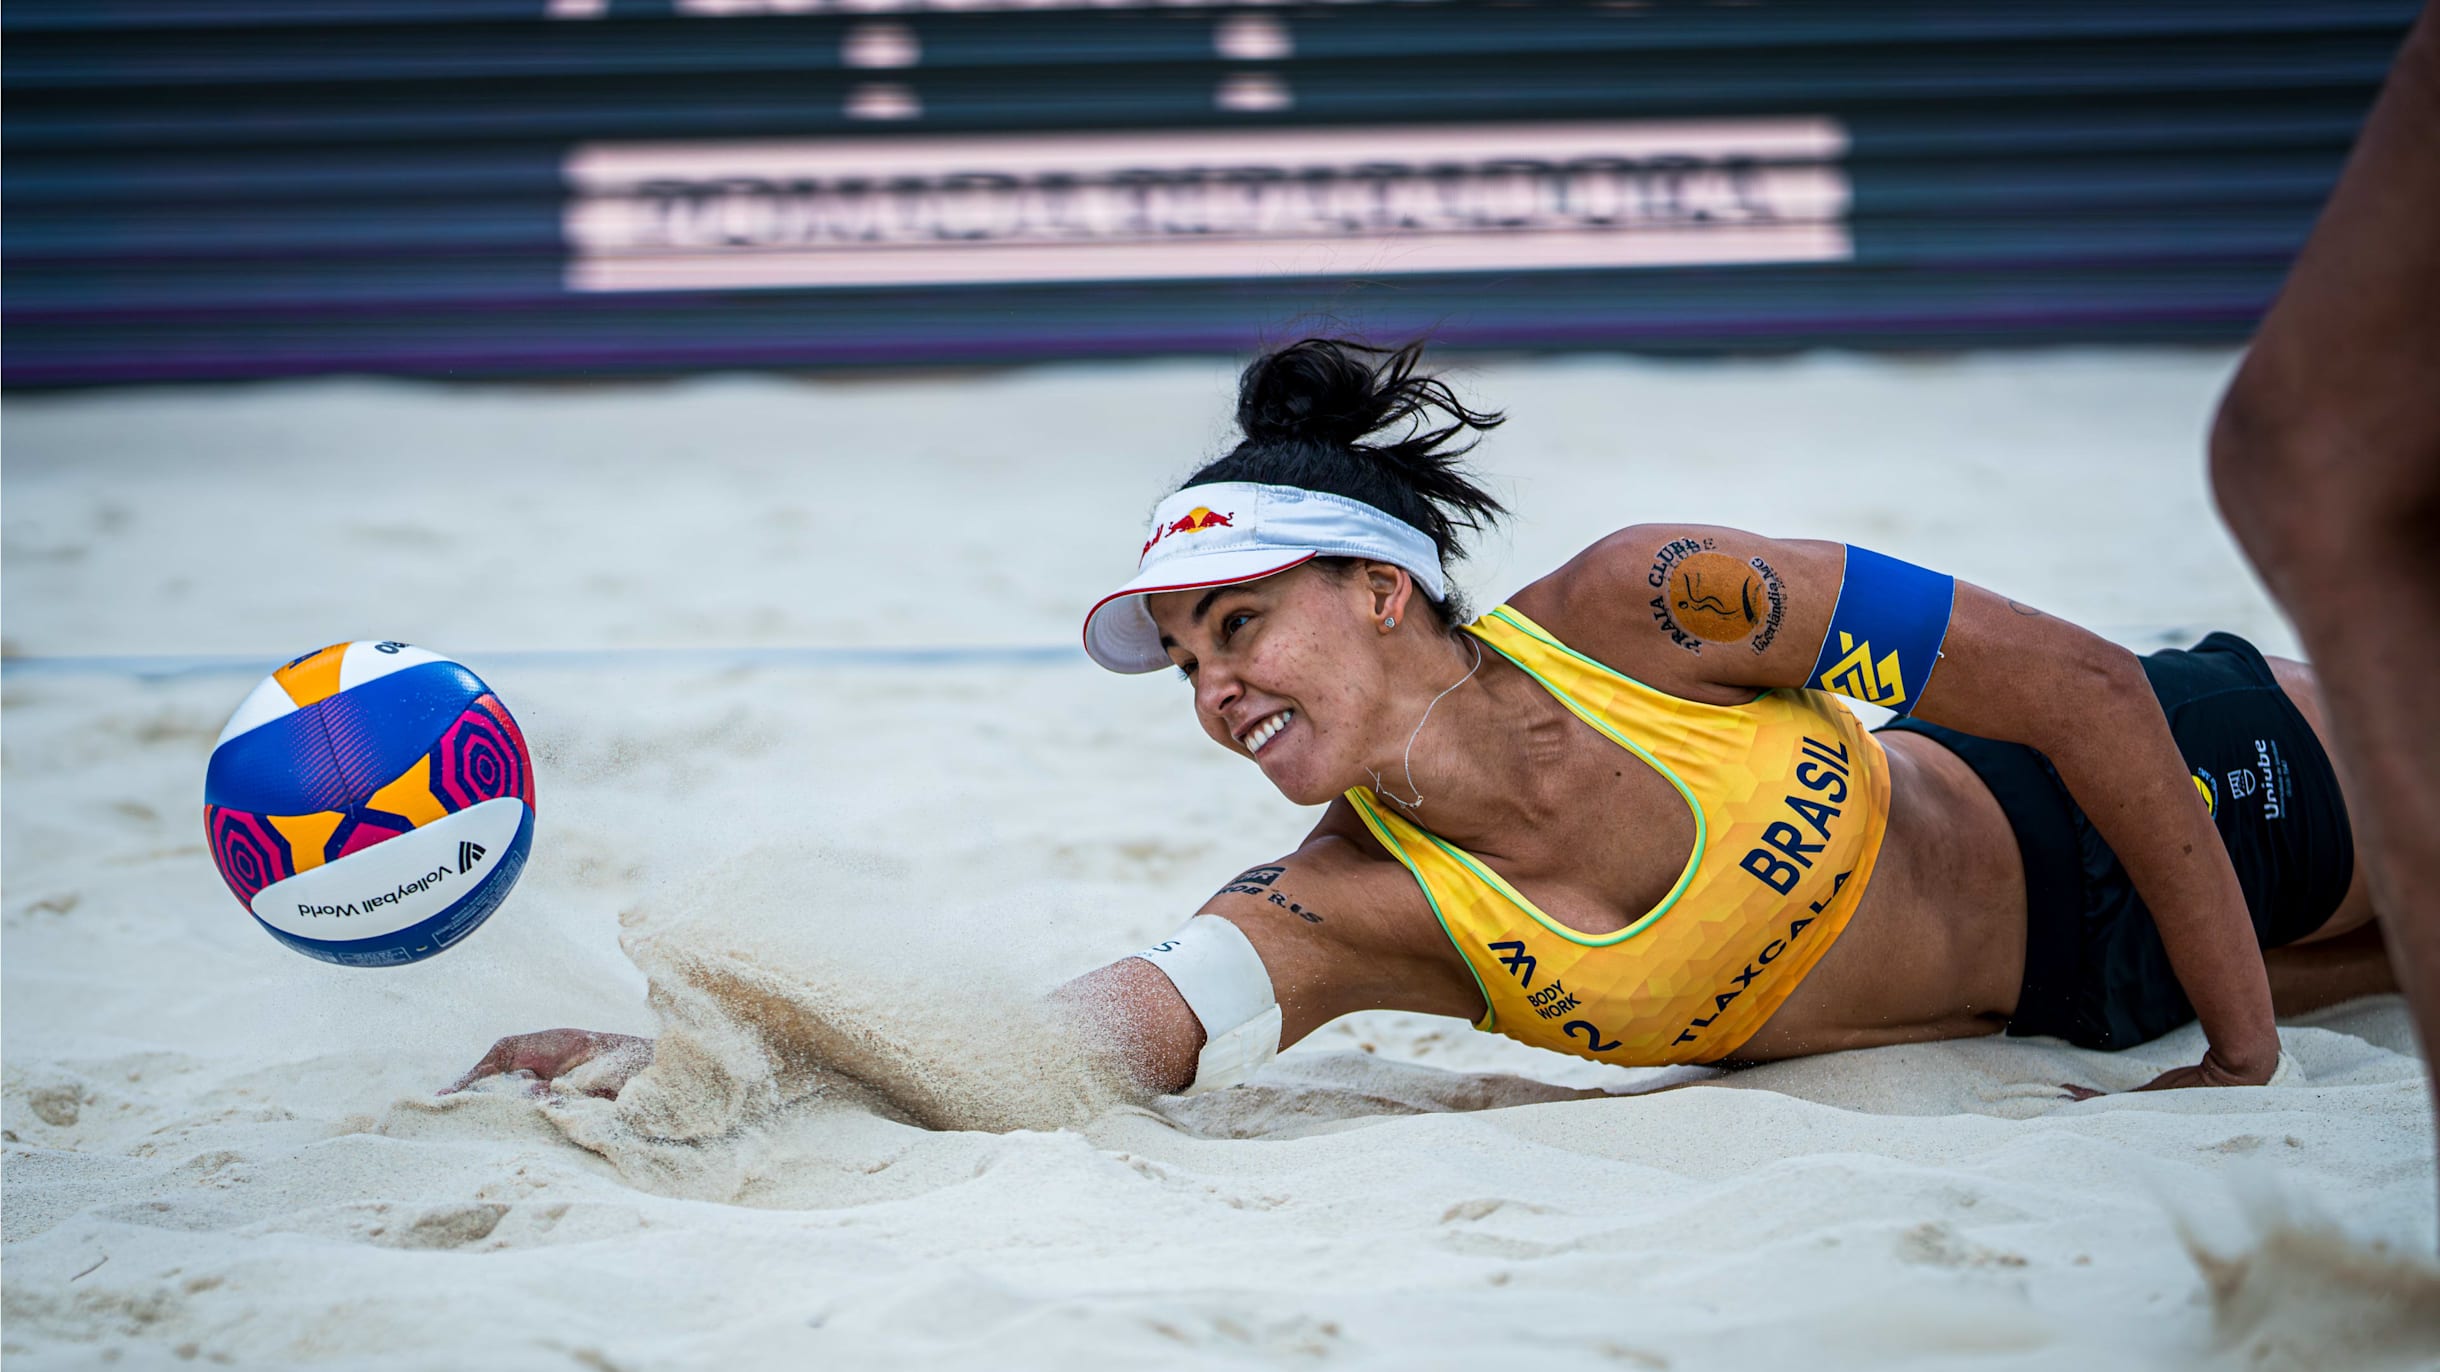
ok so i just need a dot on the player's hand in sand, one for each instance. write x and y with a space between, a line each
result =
2214 1072
2211 1071
548 1055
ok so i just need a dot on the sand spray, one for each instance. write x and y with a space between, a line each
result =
794 988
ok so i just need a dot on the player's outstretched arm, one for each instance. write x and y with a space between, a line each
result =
1280 950
1276 953
1720 610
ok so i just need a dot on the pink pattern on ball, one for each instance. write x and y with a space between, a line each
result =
364 835
481 757
249 852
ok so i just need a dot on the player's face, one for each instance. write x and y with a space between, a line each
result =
1287 670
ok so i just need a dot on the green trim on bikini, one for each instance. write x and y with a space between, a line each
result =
1515 897
1389 839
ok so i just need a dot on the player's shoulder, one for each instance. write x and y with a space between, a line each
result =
1703 611
1634 562
1612 601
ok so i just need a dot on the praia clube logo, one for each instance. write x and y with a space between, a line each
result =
925 210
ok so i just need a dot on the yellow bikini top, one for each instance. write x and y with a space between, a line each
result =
1790 797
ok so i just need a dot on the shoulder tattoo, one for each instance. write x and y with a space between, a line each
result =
1702 595
1777 595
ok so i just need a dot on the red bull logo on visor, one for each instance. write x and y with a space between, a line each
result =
1193 521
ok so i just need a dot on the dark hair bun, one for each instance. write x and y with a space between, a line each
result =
1318 390
1309 408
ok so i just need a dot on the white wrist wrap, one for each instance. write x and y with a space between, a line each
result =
1224 982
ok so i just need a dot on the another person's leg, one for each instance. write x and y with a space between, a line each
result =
2326 460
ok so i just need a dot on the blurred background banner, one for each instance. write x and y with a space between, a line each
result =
241 188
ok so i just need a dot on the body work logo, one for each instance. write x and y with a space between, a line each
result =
1223 204
1193 521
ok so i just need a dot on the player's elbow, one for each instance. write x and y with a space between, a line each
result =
2102 680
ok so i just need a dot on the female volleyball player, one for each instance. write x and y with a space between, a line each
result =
1625 814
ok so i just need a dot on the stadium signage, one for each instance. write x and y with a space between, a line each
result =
925 210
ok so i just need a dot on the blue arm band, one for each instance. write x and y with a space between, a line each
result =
1885 635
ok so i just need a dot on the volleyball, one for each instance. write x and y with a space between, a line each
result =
370 803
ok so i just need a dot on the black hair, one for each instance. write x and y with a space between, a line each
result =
1309 413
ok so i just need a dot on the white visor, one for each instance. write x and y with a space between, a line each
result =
1231 531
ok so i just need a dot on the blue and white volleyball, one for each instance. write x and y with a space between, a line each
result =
371 803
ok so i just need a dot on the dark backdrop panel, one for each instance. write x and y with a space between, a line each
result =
243 188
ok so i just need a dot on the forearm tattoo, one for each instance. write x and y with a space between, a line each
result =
1263 882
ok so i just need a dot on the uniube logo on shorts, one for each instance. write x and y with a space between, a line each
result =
2268 776
1193 521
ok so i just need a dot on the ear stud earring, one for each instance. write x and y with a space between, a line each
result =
1390 623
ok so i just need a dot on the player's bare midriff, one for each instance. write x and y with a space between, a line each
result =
1937 948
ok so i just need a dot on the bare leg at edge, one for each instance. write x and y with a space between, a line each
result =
2325 457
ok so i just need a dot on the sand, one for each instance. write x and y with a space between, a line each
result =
838 886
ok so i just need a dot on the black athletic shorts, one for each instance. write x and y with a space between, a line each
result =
2095 971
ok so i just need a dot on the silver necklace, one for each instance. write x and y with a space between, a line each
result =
1417 802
